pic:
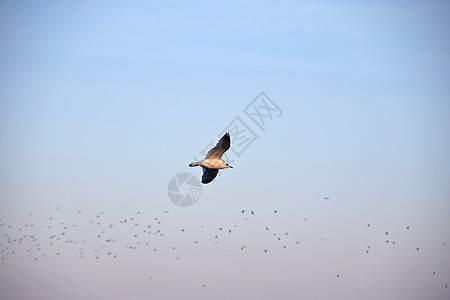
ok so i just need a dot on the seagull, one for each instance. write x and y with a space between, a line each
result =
213 160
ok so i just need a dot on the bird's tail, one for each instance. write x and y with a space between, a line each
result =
194 164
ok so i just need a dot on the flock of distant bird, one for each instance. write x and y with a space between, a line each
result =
105 239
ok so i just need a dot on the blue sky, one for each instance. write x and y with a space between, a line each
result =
103 102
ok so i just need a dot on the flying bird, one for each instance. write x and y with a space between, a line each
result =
213 160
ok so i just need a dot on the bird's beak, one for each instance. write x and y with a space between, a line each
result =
231 167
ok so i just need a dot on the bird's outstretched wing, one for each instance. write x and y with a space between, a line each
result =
209 175
222 145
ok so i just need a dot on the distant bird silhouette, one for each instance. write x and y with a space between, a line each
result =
59 237
213 160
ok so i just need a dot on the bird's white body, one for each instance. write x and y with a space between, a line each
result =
214 163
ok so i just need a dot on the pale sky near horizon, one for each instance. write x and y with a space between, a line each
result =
102 103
